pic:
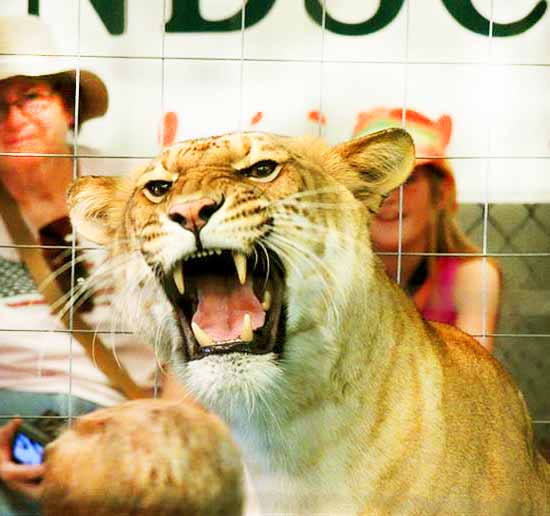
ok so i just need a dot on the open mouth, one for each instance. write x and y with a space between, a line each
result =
227 302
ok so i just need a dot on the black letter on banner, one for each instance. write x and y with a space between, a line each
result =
34 7
186 17
387 11
466 14
112 14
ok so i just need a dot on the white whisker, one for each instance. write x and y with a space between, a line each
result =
333 285
317 191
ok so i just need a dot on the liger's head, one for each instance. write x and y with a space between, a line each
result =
230 247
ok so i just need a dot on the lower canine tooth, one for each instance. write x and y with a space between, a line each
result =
202 337
178 278
246 333
266 302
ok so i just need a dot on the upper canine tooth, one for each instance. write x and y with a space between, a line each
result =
246 333
178 278
240 264
202 337
266 302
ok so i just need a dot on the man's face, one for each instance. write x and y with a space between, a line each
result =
33 118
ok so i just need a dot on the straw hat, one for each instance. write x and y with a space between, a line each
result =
28 35
431 137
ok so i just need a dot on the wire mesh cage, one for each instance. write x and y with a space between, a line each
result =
296 67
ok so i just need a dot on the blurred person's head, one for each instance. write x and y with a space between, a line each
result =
38 94
145 457
429 195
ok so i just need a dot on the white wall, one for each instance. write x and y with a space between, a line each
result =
496 89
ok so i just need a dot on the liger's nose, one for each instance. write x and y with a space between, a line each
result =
193 215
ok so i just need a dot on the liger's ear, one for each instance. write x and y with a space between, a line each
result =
377 163
93 207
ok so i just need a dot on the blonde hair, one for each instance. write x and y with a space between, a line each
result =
446 235
146 457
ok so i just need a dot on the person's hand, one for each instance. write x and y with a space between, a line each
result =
23 478
168 129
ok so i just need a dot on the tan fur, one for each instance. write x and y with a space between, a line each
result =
369 410
146 457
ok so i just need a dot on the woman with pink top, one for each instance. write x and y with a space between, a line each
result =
453 288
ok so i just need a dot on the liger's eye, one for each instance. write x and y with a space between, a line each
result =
263 171
157 189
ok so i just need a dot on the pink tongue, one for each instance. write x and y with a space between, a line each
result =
223 302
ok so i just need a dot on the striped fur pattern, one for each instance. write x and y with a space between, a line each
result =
368 409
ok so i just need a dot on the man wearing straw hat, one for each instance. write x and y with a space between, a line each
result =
42 368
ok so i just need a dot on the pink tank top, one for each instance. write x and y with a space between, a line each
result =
435 298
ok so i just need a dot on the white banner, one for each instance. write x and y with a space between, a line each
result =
284 73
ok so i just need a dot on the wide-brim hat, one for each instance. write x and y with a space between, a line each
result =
27 49
431 137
